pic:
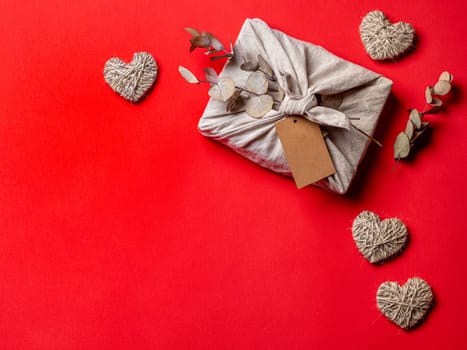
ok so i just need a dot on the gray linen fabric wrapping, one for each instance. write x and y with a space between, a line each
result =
304 71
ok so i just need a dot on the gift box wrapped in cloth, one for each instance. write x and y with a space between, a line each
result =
309 75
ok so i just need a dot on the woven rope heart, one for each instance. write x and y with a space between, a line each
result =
378 240
405 305
382 39
131 80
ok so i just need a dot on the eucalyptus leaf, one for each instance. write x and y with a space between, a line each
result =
265 67
223 89
415 118
258 106
409 129
188 75
428 96
249 66
215 43
210 52
278 95
232 101
281 94
446 76
192 31
200 41
401 146
227 55
436 102
211 75
441 88
257 83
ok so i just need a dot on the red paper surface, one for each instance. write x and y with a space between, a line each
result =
121 227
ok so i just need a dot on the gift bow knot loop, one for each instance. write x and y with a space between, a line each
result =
308 107
297 105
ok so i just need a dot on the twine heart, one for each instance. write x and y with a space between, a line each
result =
405 305
378 240
382 39
131 80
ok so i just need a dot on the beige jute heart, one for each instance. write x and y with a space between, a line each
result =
378 240
405 305
382 39
131 80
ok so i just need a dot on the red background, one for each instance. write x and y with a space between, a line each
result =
121 227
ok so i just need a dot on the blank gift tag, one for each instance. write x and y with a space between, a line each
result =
305 150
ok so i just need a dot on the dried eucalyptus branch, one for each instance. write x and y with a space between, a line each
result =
415 126
224 89
203 39
262 96
371 138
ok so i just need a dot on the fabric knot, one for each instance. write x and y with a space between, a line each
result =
297 105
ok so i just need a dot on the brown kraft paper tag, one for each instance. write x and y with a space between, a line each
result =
305 150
